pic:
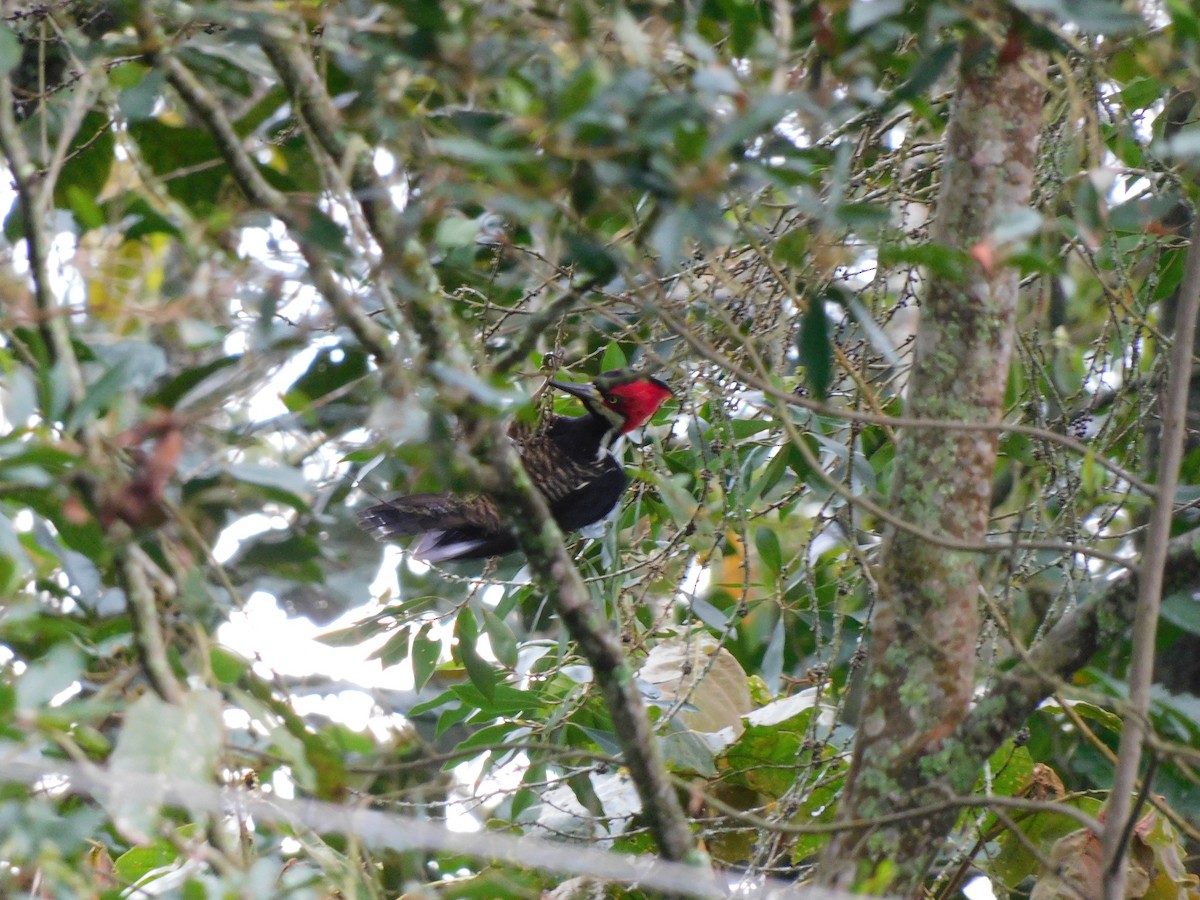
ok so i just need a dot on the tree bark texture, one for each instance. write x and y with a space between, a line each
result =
921 671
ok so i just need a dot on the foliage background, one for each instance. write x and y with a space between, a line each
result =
733 194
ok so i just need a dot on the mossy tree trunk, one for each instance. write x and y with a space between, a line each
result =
921 672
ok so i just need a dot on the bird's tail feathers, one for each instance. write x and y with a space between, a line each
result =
414 514
438 546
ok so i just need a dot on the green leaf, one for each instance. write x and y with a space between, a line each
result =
15 565
1010 769
876 335
869 15
1015 861
772 662
89 162
171 393
578 90
1182 610
675 497
164 743
1100 17
14 223
274 549
506 701
944 262
425 654
144 220
816 349
1091 476
504 643
49 675
320 229
137 101
186 158
791 248
227 666
1141 92
291 556
929 68
766 541
87 211
133 865
394 650
441 699
687 752
482 675
469 151
490 737
614 357
19 397
133 365
709 614
588 255
10 49
1186 20
280 482
819 807
765 757
585 793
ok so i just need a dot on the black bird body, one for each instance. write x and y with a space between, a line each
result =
572 460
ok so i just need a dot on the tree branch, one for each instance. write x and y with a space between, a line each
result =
432 319
924 627
1152 575
1067 648
51 324
542 542
256 188
539 536
147 629
376 828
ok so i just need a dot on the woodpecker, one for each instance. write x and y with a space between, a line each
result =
573 461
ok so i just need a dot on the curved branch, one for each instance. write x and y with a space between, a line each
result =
147 627
256 188
852 415
542 542
51 324
376 828
924 629
538 534
430 317
1067 648
1119 823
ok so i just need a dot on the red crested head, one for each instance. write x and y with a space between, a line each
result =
624 397
633 397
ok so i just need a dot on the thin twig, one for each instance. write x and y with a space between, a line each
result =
991 803
430 317
547 553
542 542
143 609
256 188
774 392
1151 575
376 828
52 325
1036 852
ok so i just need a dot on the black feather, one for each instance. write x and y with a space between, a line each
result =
570 461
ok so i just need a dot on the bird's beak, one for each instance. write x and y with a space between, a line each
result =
584 391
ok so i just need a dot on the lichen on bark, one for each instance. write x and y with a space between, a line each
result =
924 631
